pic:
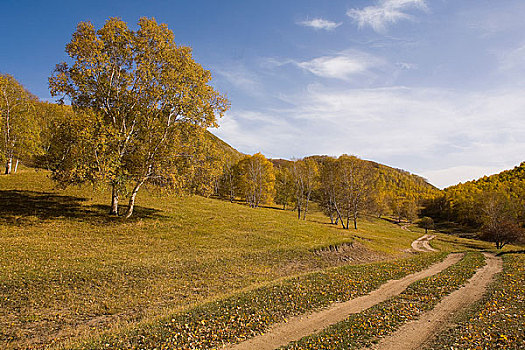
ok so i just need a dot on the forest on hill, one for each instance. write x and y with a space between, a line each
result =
494 205
75 147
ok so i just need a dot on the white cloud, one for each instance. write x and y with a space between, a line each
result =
319 23
344 65
425 131
406 65
386 12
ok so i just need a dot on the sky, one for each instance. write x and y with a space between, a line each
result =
435 87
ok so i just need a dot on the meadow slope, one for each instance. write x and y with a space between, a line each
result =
69 271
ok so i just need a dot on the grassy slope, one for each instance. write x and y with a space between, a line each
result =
66 269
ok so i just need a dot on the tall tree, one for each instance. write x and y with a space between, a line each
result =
284 186
329 183
354 188
305 174
255 179
19 127
147 99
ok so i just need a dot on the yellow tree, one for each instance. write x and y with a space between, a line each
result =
284 185
146 99
329 187
355 186
305 173
18 123
255 179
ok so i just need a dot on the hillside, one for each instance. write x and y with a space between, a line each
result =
512 179
69 270
391 182
225 149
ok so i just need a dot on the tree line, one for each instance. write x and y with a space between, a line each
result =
345 188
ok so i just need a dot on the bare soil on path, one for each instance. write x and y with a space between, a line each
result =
414 334
422 244
301 326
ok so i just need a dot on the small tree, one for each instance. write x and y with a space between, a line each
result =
305 176
426 223
409 209
355 181
142 103
227 181
284 186
329 188
500 224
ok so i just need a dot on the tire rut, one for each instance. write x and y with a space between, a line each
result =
301 326
414 334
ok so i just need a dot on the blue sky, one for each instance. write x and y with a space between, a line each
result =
435 87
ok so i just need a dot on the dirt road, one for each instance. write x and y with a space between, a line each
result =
414 334
301 326
422 244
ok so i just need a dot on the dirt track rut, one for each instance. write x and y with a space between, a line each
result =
414 334
301 326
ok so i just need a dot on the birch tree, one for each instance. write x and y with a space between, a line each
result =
146 99
19 128
305 174
355 184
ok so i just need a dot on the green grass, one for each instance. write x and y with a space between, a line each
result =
367 327
68 271
498 320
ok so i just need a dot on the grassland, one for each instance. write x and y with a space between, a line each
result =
68 271
245 315
70 276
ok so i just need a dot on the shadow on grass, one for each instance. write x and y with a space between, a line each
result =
26 207
511 252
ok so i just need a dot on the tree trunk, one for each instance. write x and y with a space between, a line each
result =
355 223
339 217
114 201
8 165
306 206
16 166
132 198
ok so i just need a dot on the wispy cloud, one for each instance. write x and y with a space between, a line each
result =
385 13
241 78
345 65
512 59
319 23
